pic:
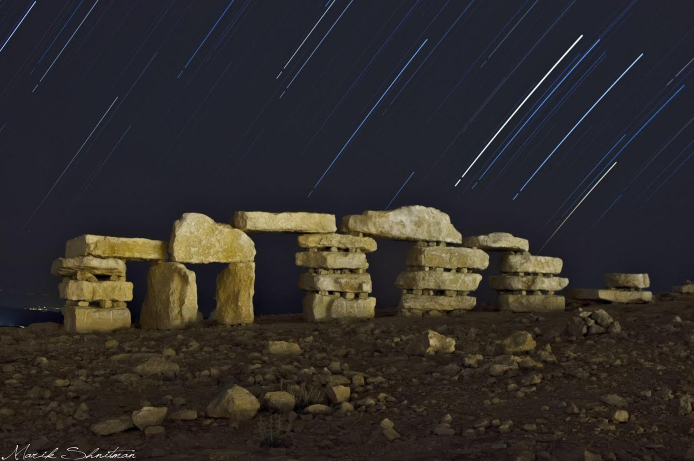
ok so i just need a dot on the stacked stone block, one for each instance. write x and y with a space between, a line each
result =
439 278
621 289
687 288
336 283
528 283
94 286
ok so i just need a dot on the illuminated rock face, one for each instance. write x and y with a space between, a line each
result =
172 297
134 249
621 289
197 239
300 223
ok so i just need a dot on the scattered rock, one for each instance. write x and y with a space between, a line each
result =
112 426
149 416
235 403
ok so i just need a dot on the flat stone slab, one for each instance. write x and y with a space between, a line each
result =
638 281
135 249
435 280
530 303
686 289
341 241
527 283
172 297
299 222
324 308
95 319
197 238
436 303
77 290
611 296
447 257
346 283
527 263
331 260
497 241
69 267
413 223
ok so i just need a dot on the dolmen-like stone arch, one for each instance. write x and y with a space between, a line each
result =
440 273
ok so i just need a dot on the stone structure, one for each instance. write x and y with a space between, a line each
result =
336 283
296 222
172 297
527 283
94 286
687 288
621 289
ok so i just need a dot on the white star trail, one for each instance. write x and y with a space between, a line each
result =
68 166
17 27
576 207
518 108
399 190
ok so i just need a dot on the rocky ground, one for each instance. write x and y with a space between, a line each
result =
595 390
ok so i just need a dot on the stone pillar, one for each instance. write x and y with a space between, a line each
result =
235 290
438 279
336 283
172 297
527 283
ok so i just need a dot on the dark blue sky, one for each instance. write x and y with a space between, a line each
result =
119 116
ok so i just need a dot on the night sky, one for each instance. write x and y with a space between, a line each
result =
118 116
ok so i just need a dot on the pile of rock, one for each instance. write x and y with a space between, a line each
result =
621 289
438 278
527 283
94 286
592 323
687 288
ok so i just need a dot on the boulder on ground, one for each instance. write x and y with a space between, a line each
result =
431 342
280 401
341 241
235 403
497 241
299 222
69 267
197 238
338 394
520 341
414 223
135 249
156 366
78 319
112 426
235 290
636 281
172 297
283 348
149 416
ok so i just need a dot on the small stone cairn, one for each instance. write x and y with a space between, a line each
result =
94 287
527 283
687 288
621 289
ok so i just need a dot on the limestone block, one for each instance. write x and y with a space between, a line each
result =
431 342
135 249
627 281
77 290
235 290
497 241
342 241
434 280
612 296
527 283
528 263
414 223
172 297
95 319
196 238
687 288
436 303
447 257
331 260
299 222
69 267
349 283
530 303
322 308
236 403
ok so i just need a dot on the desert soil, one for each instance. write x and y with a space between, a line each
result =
554 406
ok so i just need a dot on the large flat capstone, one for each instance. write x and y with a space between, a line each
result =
95 319
413 223
497 241
637 281
69 267
135 249
172 297
447 257
527 263
197 238
299 222
611 296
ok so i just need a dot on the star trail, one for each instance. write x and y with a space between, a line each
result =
118 116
